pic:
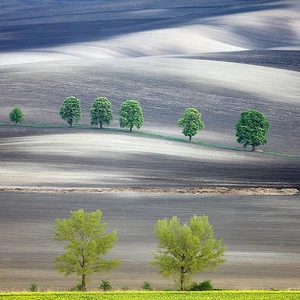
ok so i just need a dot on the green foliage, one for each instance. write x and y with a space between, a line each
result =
191 122
147 286
70 110
131 115
252 128
184 251
157 295
87 244
101 112
33 287
105 285
202 286
76 288
16 115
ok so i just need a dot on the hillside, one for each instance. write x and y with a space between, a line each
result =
221 57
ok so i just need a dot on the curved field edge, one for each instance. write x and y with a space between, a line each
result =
263 295
154 135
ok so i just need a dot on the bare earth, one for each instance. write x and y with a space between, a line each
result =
221 57
261 233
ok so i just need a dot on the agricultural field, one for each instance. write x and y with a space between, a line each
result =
260 232
259 295
221 57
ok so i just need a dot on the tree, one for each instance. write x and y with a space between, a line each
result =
252 128
101 112
186 250
71 110
191 122
16 115
131 115
87 244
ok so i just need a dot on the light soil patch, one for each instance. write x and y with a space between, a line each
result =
196 191
101 159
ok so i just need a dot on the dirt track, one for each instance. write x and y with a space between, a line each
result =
195 191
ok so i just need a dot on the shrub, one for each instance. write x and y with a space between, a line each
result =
105 285
33 287
76 288
202 286
147 286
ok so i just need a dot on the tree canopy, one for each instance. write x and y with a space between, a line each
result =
252 128
131 115
101 112
70 110
86 247
184 251
191 122
16 115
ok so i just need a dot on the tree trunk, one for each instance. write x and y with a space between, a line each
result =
181 278
83 286
190 138
71 124
130 130
253 148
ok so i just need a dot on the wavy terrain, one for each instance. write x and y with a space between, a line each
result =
221 57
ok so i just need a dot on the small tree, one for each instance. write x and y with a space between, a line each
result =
101 112
16 115
131 115
87 244
184 251
191 122
252 128
70 110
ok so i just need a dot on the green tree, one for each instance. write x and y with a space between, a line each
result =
70 110
184 251
16 115
86 247
131 115
101 112
252 128
191 122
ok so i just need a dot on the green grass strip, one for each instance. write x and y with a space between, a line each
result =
165 137
216 295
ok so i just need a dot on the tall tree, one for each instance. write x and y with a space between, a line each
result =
131 115
251 129
191 122
184 251
16 115
101 112
70 110
86 247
